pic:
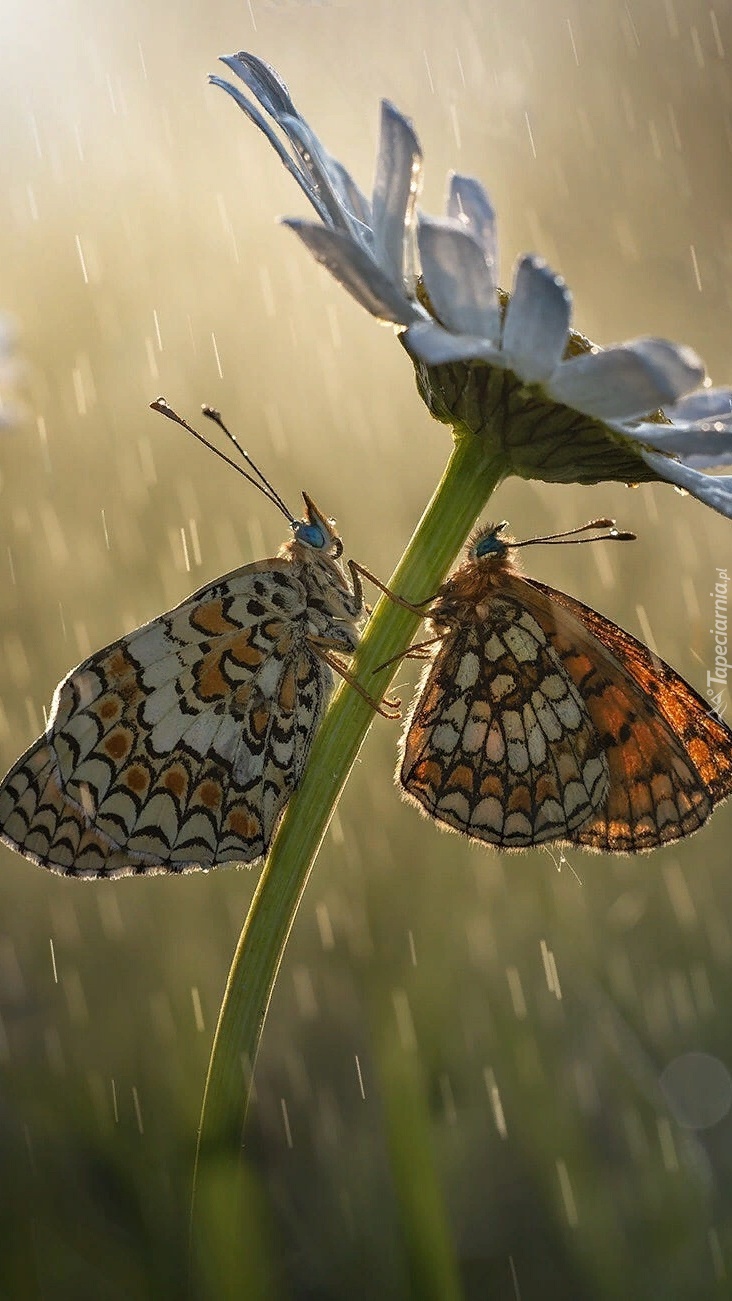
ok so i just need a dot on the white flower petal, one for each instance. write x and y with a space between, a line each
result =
265 84
458 279
326 180
628 380
435 345
396 186
468 203
354 197
712 490
537 321
332 192
303 180
352 266
697 444
705 404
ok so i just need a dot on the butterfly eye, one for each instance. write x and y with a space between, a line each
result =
310 534
490 545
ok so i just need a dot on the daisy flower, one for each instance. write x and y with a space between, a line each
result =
507 367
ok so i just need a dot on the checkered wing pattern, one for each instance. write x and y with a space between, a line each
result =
539 720
178 746
499 744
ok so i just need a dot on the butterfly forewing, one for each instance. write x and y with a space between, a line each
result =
670 759
178 746
539 720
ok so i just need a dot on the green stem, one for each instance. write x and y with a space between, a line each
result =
469 479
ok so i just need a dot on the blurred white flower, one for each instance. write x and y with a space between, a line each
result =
571 411
9 409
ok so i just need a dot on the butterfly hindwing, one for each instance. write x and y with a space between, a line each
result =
178 745
40 823
499 744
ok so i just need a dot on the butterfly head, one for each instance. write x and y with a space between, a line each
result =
316 531
487 544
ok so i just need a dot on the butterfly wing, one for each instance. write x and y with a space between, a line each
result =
669 757
499 744
179 745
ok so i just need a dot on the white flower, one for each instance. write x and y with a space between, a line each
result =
10 414
378 250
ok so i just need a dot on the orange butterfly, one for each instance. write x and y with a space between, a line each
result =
539 720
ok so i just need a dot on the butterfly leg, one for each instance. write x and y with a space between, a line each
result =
416 607
412 653
322 647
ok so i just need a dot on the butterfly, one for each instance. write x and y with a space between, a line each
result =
539 720
178 746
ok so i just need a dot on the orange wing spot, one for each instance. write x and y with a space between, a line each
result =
304 669
491 785
428 775
287 694
647 740
273 630
210 681
702 758
245 653
118 665
137 779
109 708
210 618
175 781
578 665
546 788
519 800
260 720
610 709
117 744
461 778
244 824
209 793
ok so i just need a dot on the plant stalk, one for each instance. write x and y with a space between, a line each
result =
466 485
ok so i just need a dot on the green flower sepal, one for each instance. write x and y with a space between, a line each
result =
534 437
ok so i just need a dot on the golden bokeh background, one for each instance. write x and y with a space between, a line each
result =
418 1038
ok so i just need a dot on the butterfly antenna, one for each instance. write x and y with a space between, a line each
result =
164 409
212 414
569 536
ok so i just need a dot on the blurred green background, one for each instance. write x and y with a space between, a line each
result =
462 1072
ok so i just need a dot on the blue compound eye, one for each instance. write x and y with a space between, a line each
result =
490 545
311 534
